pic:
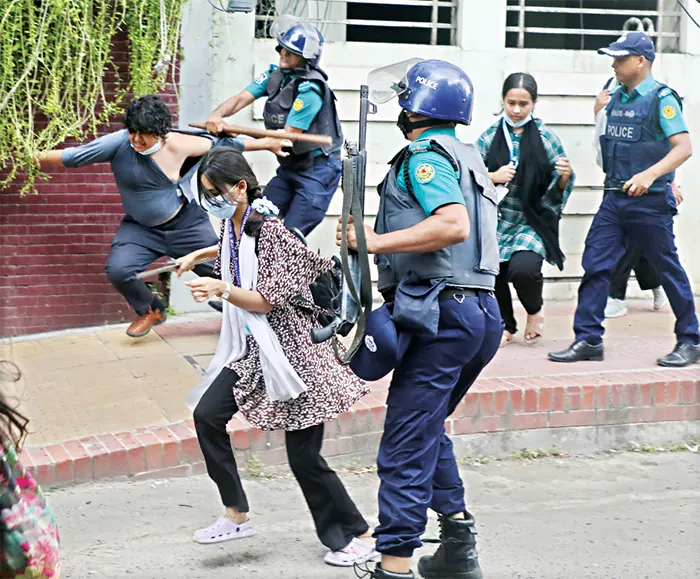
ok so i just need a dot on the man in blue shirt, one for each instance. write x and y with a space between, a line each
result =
153 167
298 100
644 142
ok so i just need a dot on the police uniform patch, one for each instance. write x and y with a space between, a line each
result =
261 78
425 173
669 112
298 105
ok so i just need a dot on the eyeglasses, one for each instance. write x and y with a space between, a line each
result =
216 199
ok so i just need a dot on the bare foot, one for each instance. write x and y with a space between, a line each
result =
506 338
535 328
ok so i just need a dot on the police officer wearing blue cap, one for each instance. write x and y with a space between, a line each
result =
645 140
437 256
298 100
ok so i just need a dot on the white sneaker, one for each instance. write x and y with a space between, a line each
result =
357 551
615 308
660 299
224 529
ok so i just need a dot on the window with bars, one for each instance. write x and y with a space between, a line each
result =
590 24
389 21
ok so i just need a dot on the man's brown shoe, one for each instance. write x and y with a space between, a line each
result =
143 324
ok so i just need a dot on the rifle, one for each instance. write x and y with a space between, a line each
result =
356 292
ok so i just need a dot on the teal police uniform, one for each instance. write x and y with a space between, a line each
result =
445 318
305 182
671 121
434 180
306 105
639 124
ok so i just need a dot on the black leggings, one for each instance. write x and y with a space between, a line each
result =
647 278
334 513
524 271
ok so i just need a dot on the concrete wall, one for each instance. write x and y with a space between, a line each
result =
568 82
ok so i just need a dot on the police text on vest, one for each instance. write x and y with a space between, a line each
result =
621 132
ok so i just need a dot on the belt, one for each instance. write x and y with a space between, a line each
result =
459 293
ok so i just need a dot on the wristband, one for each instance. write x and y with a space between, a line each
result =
227 292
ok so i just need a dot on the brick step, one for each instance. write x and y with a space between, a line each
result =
493 405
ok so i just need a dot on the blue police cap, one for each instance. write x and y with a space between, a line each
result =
377 356
631 43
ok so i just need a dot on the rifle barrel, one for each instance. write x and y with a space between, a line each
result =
364 110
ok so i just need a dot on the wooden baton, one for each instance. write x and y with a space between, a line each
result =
166 268
262 133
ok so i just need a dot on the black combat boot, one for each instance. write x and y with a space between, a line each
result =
379 573
456 557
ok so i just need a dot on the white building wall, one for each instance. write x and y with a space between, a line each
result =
568 82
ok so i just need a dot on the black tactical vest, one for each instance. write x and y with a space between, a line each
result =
473 263
279 102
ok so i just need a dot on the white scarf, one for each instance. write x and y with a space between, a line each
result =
281 380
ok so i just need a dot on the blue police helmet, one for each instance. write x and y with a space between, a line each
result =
439 90
377 355
296 39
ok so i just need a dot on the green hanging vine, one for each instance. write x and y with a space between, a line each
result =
54 58
153 27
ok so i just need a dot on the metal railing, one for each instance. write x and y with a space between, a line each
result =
325 13
640 20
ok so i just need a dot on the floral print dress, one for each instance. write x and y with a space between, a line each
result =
286 267
29 545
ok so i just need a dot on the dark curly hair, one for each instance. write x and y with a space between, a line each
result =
148 115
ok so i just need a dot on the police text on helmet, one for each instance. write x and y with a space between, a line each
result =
426 82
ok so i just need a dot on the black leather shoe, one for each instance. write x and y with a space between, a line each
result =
683 355
579 352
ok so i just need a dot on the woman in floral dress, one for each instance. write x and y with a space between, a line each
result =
29 546
266 366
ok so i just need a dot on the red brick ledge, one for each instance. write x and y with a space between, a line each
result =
493 405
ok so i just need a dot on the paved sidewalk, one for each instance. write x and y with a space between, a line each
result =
84 384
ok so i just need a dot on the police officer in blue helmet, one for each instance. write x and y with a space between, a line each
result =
645 141
435 247
298 100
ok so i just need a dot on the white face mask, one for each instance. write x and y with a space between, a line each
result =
519 124
225 211
154 149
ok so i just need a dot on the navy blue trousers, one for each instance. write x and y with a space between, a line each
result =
646 221
416 463
303 196
136 246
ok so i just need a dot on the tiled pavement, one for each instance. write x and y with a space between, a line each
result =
102 404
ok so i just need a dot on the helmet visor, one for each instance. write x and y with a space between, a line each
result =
389 81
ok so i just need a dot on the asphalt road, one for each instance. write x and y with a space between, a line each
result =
619 516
